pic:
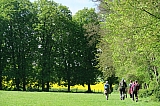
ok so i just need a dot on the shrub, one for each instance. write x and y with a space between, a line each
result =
153 91
143 93
115 88
156 93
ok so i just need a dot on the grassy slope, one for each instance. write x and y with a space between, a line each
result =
14 98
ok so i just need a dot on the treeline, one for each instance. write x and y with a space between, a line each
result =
43 43
130 47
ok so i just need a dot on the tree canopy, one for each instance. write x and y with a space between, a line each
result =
131 39
42 43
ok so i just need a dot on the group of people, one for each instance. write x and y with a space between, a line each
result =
133 89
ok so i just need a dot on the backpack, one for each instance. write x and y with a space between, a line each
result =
106 86
122 84
135 87
130 85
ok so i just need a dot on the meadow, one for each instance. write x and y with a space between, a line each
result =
20 98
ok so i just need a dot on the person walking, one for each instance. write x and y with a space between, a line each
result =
125 89
122 89
134 90
129 91
107 90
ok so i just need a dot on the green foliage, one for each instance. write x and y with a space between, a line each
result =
132 39
18 39
88 20
116 87
143 93
156 94
41 43
153 91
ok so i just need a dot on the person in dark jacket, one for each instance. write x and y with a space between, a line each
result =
129 91
122 89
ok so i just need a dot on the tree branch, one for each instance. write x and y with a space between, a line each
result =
146 11
150 13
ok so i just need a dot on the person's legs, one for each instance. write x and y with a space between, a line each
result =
121 93
107 95
130 95
136 96
133 96
126 92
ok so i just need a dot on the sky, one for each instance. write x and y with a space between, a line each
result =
75 5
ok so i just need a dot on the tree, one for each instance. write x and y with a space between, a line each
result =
66 46
88 20
18 35
3 48
44 28
132 33
54 35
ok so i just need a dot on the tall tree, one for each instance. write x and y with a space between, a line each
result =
132 33
90 24
53 35
18 37
3 48
46 11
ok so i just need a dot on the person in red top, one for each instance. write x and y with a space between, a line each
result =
134 90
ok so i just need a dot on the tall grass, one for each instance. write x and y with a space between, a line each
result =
15 98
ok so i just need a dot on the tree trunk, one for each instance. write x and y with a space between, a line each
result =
24 69
89 88
24 84
17 84
17 76
47 86
1 65
1 76
0 79
155 73
69 85
43 85
68 78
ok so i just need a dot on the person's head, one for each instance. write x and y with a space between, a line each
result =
130 81
136 81
106 82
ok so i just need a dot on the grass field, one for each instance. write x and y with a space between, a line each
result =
15 98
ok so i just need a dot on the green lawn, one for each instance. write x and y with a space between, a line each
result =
14 98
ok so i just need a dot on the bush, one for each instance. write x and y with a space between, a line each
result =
153 91
115 88
156 94
143 93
